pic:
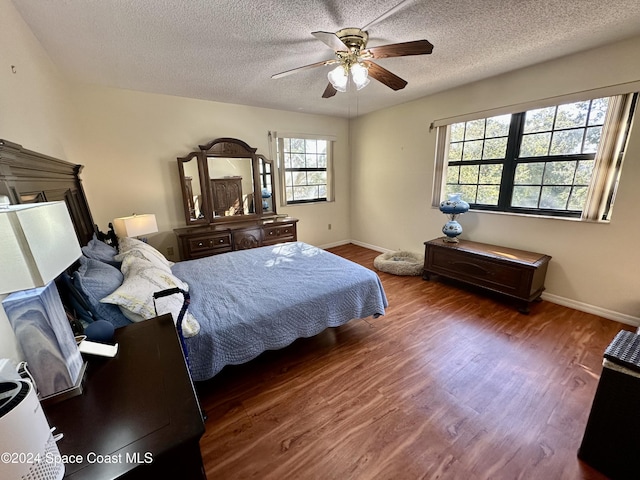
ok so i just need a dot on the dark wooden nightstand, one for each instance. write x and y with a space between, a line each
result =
138 416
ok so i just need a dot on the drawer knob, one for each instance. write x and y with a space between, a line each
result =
200 244
221 240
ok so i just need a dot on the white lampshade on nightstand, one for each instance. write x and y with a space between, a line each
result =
38 242
135 225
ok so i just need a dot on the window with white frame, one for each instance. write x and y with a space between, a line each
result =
562 160
305 166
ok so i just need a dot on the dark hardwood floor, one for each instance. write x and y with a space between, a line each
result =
449 383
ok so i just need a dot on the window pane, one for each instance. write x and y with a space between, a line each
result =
539 120
578 198
469 174
310 146
495 148
305 193
536 145
592 139
566 142
322 146
297 161
452 174
598 111
467 193
572 115
287 160
297 145
455 152
498 126
490 174
457 132
583 172
317 178
311 161
529 173
525 197
322 161
299 178
559 173
289 191
322 191
475 129
554 197
472 150
488 194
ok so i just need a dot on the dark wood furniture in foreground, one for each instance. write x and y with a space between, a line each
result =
197 242
138 410
516 273
610 442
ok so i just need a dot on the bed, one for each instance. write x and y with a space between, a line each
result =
244 302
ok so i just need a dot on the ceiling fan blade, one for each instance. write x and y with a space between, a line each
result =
295 70
331 40
388 13
383 75
417 47
329 91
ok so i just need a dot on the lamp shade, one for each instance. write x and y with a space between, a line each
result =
360 75
37 243
339 78
135 225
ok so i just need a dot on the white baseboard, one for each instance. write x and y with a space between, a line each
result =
334 244
595 310
370 247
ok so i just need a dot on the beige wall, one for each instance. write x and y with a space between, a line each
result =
593 266
129 142
34 110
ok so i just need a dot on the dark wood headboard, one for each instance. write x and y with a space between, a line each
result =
30 177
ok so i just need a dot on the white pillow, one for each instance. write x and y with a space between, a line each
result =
141 280
146 255
127 243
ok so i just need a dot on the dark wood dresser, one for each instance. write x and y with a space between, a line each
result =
197 242
138 416
516 273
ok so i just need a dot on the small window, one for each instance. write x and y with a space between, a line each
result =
305 167
546 161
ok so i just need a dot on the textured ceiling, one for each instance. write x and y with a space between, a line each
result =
227 50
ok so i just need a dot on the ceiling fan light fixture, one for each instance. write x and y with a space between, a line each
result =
338 78
360 75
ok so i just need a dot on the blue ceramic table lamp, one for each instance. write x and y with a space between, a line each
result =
452 207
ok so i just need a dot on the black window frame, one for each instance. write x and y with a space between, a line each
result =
509 164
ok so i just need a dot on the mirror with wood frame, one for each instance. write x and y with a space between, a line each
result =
226 181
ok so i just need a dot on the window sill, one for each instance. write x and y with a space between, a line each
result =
529 215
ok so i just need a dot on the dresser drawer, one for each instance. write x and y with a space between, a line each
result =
279 233
492 274
208 244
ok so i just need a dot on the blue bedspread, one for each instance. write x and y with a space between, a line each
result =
250 301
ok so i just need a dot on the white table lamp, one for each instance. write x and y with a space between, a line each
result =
38 242
135 225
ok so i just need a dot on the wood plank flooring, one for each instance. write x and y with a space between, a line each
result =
448 384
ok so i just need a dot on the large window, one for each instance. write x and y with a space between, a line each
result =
547 161
305 166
